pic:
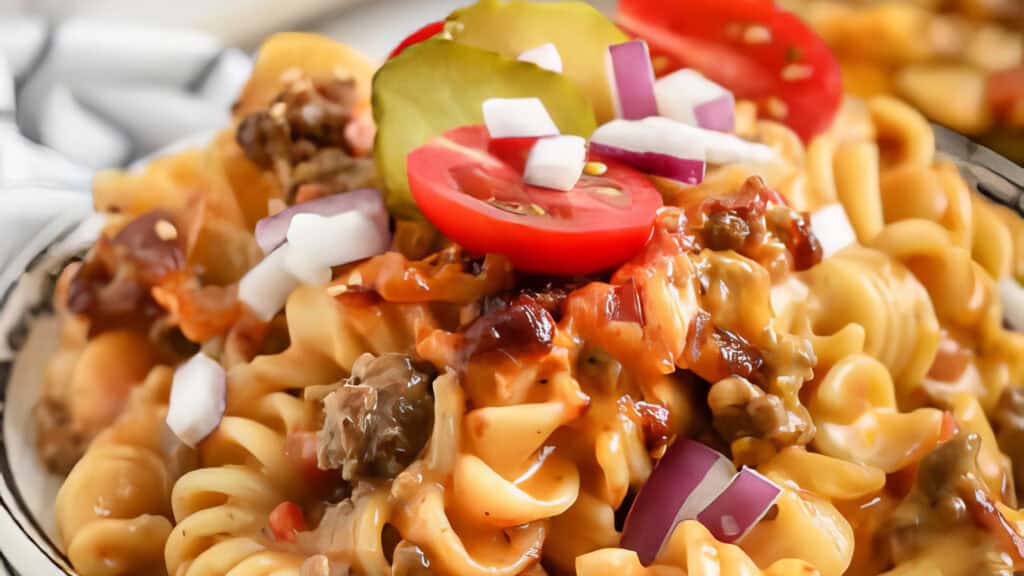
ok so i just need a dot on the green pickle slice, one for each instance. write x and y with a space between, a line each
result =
581 33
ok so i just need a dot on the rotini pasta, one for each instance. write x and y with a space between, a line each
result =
427 410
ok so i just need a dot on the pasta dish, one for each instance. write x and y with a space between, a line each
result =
546 293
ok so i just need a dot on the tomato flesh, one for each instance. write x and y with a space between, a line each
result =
481 202
752 47
285 520
428 31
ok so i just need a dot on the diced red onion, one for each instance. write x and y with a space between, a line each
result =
546 56
1012 295
655 150
683 170
631 78
556 162
266 287
688 97
272 230
832 228
317 243
517 118
688 478
740 506
197 399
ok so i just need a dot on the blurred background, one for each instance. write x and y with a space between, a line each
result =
105 82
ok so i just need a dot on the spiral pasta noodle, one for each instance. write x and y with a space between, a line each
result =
469 420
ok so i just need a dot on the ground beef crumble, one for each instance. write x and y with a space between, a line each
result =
378 420
301 137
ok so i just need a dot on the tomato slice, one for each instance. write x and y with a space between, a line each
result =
480 201
428 31
752 47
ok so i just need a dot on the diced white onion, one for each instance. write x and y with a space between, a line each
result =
272 230
317 243
720 148
518 118
197 402
832 228
631 80
266 287
654 149
556 162
1012 295
546 56
687 96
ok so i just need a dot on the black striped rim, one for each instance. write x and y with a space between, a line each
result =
11 502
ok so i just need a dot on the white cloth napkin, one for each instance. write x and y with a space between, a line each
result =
91 94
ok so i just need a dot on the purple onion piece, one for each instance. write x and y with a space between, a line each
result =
718 114
685 467
632 79
685 170
739 507
272 230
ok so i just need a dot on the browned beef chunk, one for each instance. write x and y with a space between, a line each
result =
378 420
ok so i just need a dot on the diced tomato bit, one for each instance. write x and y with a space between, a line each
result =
300 448
1006 89
424 33
287 519
949 427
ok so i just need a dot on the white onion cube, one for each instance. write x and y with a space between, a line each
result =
316 243
518 118
1012 295
546 56
688 97
266 287
556 162
198 398
832 228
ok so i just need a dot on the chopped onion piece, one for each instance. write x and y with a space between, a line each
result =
654 150
197 402
664 136
517 118
832 228
688 478
317 243
272 230
556 162
631 79
546 56
740 506
266 287
688 97
719 147
1012 294
685 170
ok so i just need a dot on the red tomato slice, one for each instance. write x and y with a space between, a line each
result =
428 31
512 151
287 519
752 47
481 202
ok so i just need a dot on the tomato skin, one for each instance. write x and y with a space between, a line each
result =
428 31
726 41
285 520
458 186
1006 89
